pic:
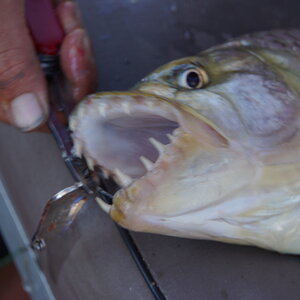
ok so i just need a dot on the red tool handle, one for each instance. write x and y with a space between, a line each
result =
46 30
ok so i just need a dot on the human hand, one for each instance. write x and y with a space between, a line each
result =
23 91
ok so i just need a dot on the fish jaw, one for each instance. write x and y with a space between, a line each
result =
214 194
108 129
188 142
197 169
186 181
200 185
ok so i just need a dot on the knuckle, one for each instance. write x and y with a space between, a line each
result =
13 67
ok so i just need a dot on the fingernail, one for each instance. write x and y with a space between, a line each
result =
69 16
27 112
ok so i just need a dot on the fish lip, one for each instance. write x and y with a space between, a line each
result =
183 114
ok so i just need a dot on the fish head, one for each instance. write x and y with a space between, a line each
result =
195 145
238 91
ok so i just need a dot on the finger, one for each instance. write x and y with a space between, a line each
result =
69 16
78 64
23 100
77 58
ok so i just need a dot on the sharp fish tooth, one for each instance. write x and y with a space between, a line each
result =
123 179
102 110
105 174
106 207
90 163
148 164
157 145
126 107
78 148
171 137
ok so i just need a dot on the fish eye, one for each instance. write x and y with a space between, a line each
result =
192 79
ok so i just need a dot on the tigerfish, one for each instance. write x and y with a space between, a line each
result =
207 146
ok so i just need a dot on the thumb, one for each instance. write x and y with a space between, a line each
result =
23 96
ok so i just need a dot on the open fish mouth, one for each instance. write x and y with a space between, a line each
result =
204 147
135 138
